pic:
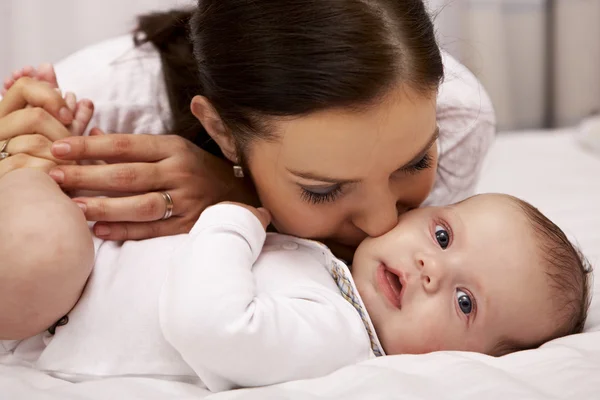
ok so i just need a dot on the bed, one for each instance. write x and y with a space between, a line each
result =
550 169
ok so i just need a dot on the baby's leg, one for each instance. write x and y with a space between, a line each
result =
82 110
46 253
44 72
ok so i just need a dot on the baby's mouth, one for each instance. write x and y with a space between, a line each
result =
390 284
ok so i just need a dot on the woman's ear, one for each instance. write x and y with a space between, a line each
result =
211 120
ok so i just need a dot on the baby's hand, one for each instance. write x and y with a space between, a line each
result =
263 215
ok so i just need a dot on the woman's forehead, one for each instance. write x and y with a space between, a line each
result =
352 143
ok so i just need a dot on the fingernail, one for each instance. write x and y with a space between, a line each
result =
61 149
82 206
102 230
57 175
71 101
65 114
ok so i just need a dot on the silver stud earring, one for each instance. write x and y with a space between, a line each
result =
238 171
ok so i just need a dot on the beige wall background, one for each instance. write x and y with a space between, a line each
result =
539 59
33 31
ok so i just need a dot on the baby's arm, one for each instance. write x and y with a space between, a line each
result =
46 253
233 334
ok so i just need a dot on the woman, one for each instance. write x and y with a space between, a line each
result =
332 111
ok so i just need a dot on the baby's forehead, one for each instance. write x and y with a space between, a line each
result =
501 247
498 201
493 217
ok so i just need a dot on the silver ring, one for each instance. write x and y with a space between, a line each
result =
4 145
4 154
169 205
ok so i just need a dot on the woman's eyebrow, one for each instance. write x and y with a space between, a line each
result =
322 178
325 178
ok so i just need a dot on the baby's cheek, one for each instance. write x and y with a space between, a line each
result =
427 343
414 334
435 331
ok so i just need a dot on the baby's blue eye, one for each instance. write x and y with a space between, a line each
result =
464 302
442 236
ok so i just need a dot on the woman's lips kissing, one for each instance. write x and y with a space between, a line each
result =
391 284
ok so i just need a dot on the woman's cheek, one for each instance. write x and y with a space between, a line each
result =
302 219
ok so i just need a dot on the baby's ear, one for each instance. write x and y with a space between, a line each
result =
204 111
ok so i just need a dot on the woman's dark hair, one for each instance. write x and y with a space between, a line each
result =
258 58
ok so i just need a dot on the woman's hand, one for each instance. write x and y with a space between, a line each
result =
32 115
144 166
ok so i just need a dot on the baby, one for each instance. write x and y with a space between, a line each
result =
229 305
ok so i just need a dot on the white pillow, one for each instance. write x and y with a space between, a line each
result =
589 135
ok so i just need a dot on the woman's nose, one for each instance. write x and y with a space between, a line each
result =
377 218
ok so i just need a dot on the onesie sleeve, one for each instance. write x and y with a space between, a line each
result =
234 336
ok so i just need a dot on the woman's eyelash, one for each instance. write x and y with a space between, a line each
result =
320 198
424 163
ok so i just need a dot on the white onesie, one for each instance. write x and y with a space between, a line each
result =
225 306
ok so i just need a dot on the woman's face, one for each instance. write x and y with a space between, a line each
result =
344 175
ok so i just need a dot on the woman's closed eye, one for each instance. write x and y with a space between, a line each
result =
321 194
424 163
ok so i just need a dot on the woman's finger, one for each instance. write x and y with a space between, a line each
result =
31 121
35 145
141 208
118 147
141 230
28 91
19 161
124 178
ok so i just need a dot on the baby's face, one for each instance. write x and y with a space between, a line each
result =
462 277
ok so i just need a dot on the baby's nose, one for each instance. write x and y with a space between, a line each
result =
432 274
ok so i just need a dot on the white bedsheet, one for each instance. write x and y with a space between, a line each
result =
551 171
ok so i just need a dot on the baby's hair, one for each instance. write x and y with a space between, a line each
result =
569 273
